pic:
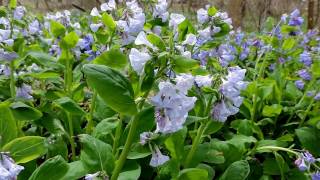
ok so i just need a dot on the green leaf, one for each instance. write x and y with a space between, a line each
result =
212 11
8 128
184 28
44 59
193 174
105 127
238 170
113 58
57 29
289 43
112 87
13 4
76 171
45 75
52 169
24 112
307 137
225 29
70 40
272 111
130 171
283 167
183 64
69 105
96 155
157 41
147 79
25 149
108 21
175 144
209 169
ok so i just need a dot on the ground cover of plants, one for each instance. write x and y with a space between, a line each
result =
132 91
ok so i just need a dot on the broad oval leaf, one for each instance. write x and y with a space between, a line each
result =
25 149
112 87
52 169
69 105
130 171
193 174
238 170
8 128
24 112
183 64
96 155
113 58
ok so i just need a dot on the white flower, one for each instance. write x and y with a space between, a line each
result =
203 80
157 30
186 54
111 5
223 110
91 176
202 16
4 34
34 27
138 60
205 33
175 20
158 158
24 92
142 40
136 23
191 39
160 10
8 168
95 27
184 82
95 12
9 42
172 105
19 12
4 21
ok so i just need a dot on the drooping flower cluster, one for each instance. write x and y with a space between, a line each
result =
158 158
230 89
172 106
135 19
8 168
304 161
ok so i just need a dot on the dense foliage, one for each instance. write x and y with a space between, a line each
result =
132 93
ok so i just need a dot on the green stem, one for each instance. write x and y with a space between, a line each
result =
68 89
302 98
255 95
117 136
71 134
90 119
195 145
12 80
275 148
125 151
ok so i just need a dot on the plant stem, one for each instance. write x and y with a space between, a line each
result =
73 149
195 145
302 98
255 95
12 80
117 136
275 148
68 89
90 119
125 151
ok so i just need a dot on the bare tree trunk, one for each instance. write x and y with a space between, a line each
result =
1 2
311 14
236 9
